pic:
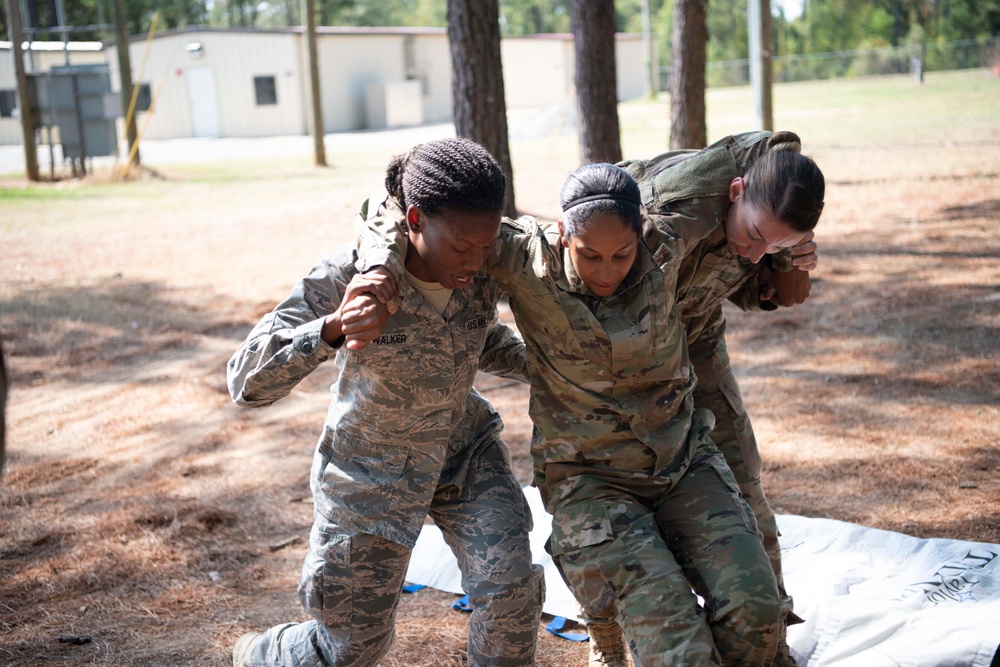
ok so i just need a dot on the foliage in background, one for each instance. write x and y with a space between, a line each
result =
823 26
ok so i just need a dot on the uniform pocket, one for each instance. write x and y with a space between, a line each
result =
326 587
603 568
578 526
363 475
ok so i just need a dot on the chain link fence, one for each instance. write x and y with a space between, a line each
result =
933 56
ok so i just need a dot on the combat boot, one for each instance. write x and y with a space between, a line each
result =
607 645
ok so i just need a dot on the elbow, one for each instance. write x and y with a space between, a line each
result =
244 400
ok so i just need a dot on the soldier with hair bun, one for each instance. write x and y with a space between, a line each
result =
761 190
406 435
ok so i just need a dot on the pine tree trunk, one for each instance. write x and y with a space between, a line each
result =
687 75
593 25
3 405
477 93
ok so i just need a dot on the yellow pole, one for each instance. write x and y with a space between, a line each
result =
135 89
142 130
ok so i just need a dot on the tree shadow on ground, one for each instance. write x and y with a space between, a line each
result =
148 566
882 491
147 530
988 209
77 333
933 341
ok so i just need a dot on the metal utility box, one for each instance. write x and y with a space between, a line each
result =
394 104
77 99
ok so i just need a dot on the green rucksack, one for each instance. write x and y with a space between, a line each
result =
683 174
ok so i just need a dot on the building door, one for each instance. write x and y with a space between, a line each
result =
204 102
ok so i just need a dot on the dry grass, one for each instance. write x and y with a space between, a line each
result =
140 507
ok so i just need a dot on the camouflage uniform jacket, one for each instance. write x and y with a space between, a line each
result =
404 417
610 379
681 188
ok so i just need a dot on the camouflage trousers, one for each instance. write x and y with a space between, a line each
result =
351 581
718 391
632 549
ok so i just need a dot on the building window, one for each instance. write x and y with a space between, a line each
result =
8 102
266 91
143 100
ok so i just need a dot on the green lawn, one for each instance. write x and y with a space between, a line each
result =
957 106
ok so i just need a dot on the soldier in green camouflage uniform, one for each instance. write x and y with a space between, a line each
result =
644 507
678 187
406 436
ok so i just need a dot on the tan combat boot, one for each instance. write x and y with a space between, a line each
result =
607 645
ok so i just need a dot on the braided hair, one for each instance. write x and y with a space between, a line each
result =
786 183
596 189
454 174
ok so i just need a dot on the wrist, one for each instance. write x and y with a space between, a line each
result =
333 328
780 262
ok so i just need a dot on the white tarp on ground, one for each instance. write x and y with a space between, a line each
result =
871 598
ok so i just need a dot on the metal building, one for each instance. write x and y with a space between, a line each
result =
243 83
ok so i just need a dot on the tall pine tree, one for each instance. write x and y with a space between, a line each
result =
478 104
596 81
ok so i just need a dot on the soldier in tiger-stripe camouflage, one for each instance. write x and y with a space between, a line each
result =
406 435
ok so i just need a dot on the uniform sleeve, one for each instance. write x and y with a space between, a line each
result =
516 247
286 344
503 354
381 240
747 297
703 336
684 226
781 260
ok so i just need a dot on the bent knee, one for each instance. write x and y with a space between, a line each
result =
755 620
516 583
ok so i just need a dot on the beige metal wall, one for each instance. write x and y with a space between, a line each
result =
630 69
350 61
234 59
433 68
10 128
347 64
538 70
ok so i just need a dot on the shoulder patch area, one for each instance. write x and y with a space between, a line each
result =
662 255
748 139
524 224
707 174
